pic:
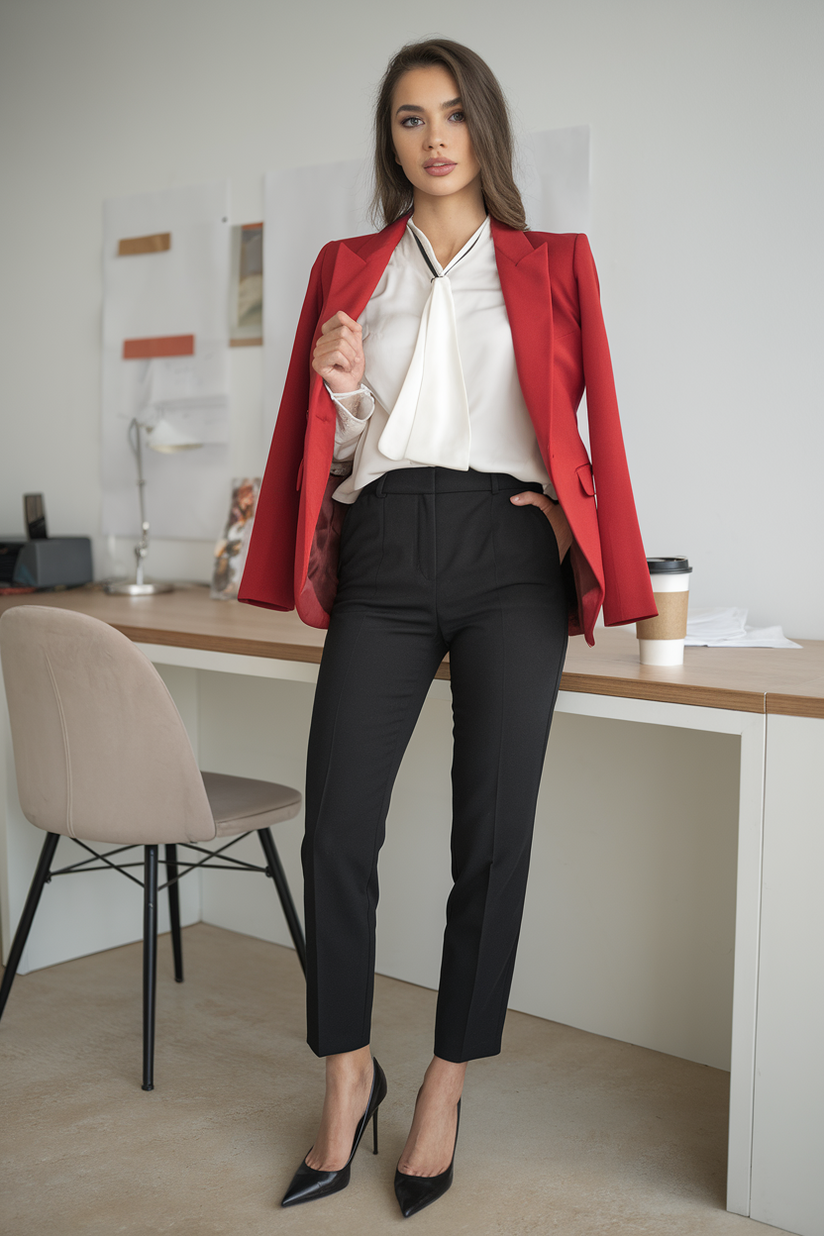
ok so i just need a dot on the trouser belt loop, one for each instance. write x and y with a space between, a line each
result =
380 485
494 479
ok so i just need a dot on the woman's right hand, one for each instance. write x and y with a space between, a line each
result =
338 356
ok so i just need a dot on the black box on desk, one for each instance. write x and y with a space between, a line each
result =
10 547
59 561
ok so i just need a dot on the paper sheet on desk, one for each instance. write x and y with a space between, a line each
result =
727 628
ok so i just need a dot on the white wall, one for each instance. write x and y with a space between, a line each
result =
707 208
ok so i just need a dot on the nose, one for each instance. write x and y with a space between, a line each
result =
435 136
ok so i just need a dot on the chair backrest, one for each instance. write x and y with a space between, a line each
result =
99 747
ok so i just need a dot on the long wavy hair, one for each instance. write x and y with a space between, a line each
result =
487 117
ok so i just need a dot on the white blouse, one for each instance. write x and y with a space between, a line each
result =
440 384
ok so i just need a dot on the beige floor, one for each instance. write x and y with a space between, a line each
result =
565 1132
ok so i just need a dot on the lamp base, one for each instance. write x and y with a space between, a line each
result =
128 588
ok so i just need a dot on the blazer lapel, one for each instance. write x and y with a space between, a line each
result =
359 265
524 274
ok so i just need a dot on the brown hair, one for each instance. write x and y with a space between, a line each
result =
487 117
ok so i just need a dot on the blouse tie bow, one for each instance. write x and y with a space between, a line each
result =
429 423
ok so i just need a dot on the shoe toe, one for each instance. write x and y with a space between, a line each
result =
416 1192
308 1184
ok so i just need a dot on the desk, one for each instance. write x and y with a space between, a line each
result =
772 702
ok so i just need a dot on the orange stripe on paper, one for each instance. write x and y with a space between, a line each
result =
165 345
158 243
251 227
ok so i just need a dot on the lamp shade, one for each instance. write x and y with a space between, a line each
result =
165 438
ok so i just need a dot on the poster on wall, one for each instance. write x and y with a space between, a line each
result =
246 286
307 206
166 262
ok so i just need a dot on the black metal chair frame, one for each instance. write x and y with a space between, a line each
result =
151 863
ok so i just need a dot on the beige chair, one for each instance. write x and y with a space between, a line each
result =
102 756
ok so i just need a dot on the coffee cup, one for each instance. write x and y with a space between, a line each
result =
661 639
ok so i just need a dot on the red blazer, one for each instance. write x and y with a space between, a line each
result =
550 289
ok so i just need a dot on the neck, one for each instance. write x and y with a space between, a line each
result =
448 222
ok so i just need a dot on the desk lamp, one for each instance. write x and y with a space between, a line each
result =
163 437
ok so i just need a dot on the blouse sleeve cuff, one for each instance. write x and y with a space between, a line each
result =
353 407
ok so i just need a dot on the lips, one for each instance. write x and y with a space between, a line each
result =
438 167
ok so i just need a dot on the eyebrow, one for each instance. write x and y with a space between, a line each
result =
413 107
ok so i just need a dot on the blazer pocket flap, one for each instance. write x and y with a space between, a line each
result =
585 477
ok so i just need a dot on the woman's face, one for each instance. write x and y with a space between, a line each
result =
430 135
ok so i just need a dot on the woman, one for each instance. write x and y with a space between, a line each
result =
437 497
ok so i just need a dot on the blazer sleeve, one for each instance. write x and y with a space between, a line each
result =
627 587
268 578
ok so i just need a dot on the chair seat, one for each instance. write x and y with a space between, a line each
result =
241 804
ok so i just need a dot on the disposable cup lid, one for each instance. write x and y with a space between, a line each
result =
669 566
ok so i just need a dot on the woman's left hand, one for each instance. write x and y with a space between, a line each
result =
553 512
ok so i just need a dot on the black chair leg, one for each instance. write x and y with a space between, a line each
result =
41 874
149 962
174 910
275 870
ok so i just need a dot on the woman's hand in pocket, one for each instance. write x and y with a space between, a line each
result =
552 510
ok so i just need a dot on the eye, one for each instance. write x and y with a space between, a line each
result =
411 122
458 117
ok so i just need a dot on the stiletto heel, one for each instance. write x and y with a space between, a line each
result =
307 1183
415 1192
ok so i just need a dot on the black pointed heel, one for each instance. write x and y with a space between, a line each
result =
415 1192
307 1183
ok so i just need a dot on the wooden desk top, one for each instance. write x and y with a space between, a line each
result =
786 681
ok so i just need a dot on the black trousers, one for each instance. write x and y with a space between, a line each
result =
431 561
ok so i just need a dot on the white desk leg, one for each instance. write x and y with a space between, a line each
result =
747 934
752 729
788 1127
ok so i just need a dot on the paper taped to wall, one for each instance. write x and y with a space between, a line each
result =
134 245
170 308
163 345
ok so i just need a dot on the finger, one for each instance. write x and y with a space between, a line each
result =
337 358
530 498
337 341
339 321
343 339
